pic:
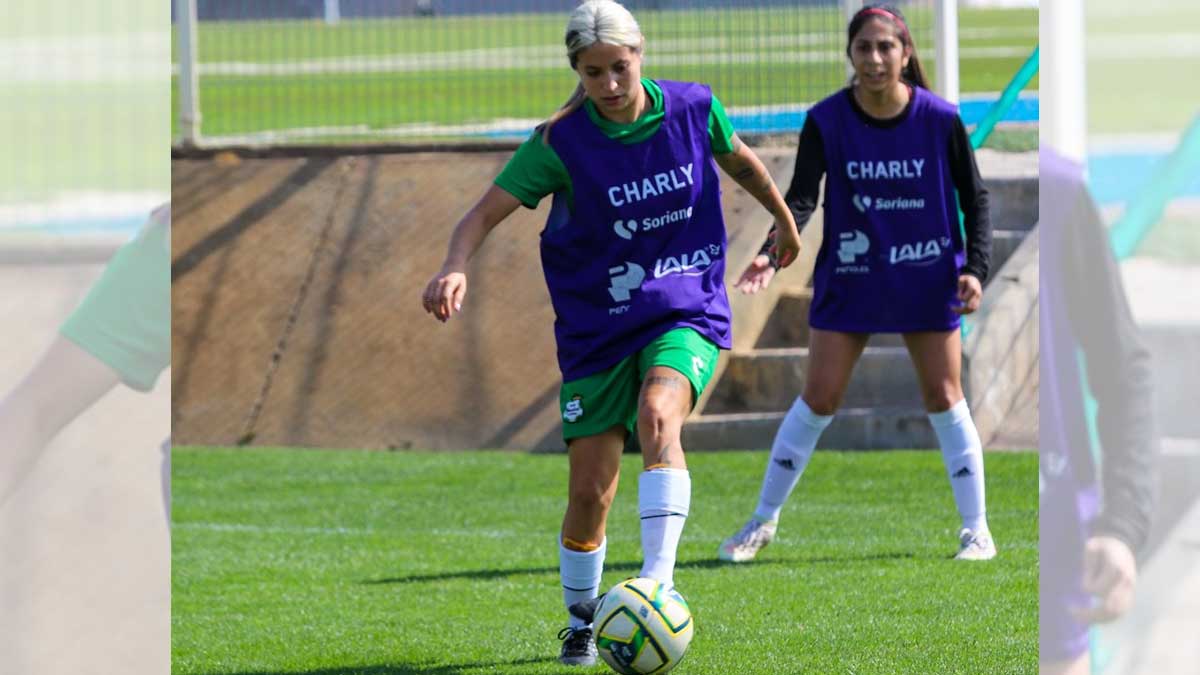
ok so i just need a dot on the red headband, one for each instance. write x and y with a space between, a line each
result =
883 12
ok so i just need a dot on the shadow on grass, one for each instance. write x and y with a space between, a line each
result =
398 669
632 568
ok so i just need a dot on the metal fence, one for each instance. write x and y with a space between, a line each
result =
287 71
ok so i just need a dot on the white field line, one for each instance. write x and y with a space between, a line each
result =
1147 47
678 51
1132 143
508 126
348 531
122 57
80 206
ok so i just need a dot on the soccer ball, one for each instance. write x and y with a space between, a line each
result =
642 627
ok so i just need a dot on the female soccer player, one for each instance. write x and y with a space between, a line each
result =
1094 516
892 261
634 255
119 334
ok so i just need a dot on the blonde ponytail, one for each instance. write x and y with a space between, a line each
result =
572 104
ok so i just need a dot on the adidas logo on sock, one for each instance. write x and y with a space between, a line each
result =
786 463
963 473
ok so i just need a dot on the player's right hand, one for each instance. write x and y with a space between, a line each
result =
757 276
1110 575
443 294
785 245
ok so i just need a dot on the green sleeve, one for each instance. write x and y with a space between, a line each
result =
125 320
720 129
533 172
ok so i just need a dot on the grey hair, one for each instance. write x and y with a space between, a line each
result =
595 21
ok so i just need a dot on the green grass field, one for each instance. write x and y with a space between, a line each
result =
343 562
82 136
75 118
470 70
1133 78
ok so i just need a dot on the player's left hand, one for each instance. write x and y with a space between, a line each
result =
1110 574
757 276
970 294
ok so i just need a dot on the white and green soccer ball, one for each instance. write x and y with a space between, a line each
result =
642 627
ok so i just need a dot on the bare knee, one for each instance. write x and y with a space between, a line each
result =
942 397
658 414
589 498
822 402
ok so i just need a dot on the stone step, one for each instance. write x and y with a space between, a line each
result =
788 324
770 379
1175 361
852 429
1004 244
1013 202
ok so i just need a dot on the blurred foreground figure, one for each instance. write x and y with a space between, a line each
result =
1096 502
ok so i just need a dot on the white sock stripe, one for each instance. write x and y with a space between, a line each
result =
663 515
663 509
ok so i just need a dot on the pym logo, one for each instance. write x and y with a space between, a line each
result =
625 228
861 202
852 245
625 278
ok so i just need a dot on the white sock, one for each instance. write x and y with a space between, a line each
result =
580 573
664 498
962 453
793 447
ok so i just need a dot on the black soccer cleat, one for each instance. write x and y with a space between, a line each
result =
585 610
578 649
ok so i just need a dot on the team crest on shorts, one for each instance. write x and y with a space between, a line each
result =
574 408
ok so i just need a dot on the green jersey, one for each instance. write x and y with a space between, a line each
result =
535 170
125 320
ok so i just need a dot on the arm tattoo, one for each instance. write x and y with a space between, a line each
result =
757 183
664 380
744 174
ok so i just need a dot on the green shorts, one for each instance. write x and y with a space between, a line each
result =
597 403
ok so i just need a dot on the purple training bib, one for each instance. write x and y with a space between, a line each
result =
892 249
643 249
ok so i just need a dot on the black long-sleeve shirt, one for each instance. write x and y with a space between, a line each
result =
1117 361
804 191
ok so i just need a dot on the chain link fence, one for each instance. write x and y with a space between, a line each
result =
287 71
